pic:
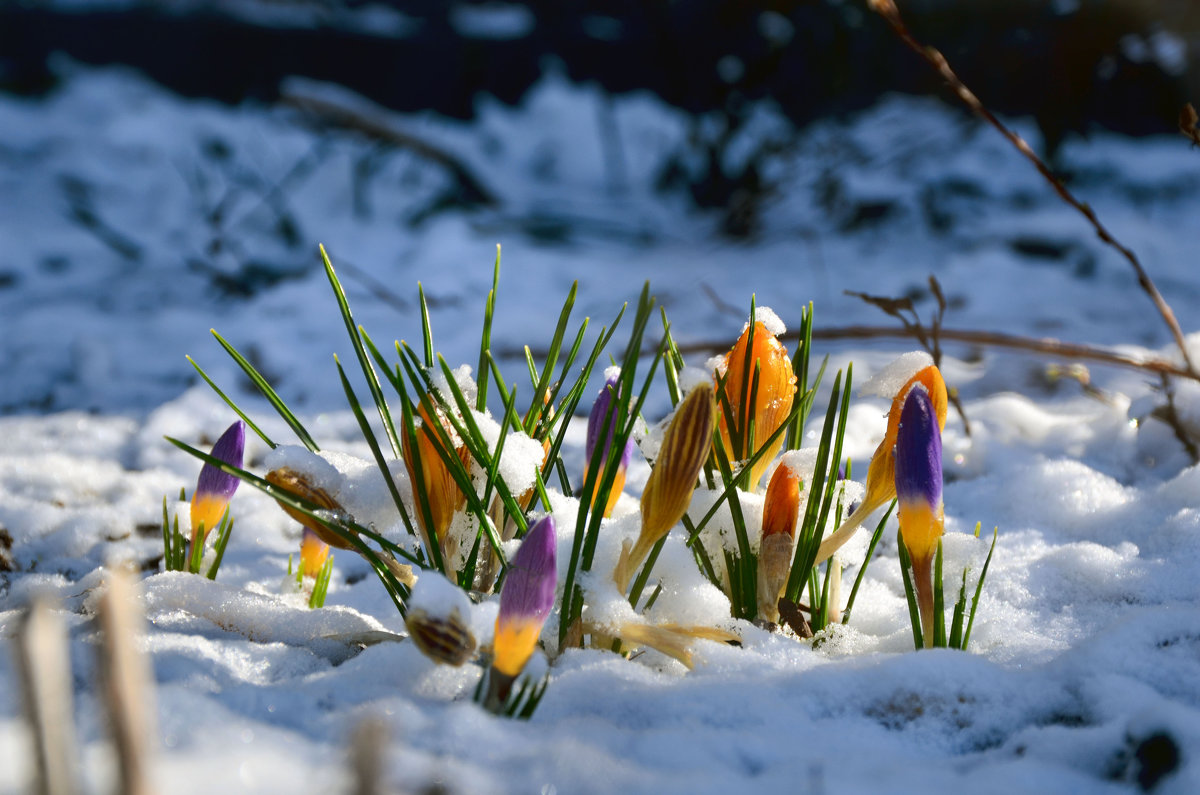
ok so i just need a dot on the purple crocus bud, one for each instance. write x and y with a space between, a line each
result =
605 407
215 488
919 473
527 598
918 457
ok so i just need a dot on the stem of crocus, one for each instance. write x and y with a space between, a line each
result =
499 686
923 582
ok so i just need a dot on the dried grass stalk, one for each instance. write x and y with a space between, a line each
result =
125 681
44 668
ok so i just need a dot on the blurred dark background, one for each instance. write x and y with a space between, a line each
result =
1073 66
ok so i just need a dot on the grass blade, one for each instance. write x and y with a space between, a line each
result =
272 397
364 361
878 534
979 589
229 402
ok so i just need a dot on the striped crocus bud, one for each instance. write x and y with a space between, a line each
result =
881 474
525 602
669 488
299 484
436 491
215 488
772 401
780 511
604 410
918 457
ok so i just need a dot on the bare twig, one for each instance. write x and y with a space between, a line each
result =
1170 415
1189 123
1042 346
932 342
45 672
887 9
125 679
1045 346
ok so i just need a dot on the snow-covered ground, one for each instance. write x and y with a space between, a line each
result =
134 221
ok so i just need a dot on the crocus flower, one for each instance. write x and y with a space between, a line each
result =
525 602
215 488
669 488
605 407
313 553
780 510
438 620
292 481
918 486
773 398
881 478
436 492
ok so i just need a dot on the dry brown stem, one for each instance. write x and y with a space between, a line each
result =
125 679
931 341
45 674
1169 414
368 745
1046 346
887 9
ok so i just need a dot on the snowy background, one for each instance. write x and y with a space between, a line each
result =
135 220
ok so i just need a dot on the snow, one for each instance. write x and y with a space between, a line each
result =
1087 644
888 381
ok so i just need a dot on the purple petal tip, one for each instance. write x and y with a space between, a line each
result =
919 451
532 575
230 449
601 408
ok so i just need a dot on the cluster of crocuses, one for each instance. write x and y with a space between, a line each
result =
750 398
725 434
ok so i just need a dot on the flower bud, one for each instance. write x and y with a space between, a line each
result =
780 511
881 474
445 639
919 475
215 488
668 491
437 489
313 554
918 464
685 447
526 599
772 401
605 407
781 507
292 481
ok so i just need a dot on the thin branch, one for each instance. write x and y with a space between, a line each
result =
1045 346
887 9
1170 415
902 309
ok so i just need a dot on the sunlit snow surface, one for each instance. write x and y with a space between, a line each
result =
1088 638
